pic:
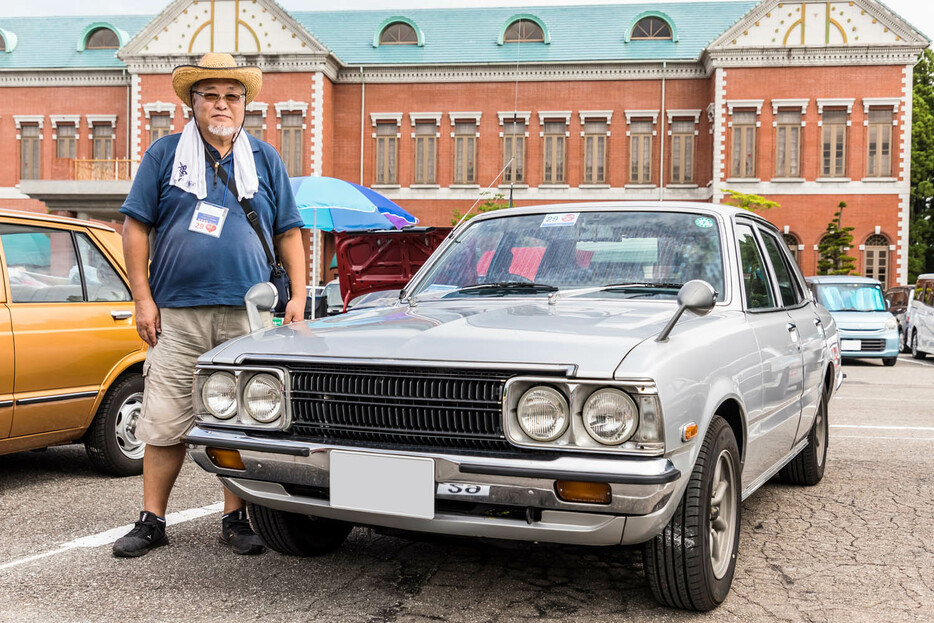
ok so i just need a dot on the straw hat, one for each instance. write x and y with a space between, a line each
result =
216 66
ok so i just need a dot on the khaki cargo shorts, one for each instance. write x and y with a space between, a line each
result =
187 333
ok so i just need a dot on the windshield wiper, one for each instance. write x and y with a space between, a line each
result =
631 285
505 287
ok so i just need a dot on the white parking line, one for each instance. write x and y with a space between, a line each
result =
925 439
109 536
876 427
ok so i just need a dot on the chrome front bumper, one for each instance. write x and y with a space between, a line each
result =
642 490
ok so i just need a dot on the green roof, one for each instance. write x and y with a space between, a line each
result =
451 36
52 43
578 33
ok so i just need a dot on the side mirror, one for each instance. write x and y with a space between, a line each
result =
698 296
261 297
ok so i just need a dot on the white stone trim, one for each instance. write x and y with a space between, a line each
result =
186 112
757 104
881 102
508 115
596 114
716 112
465 116
101 119
802 104
904 198
254 106
694 112
415 117
136 135
834 102
159 107
57 119
554 114
291 106
19 120
630 114
316 153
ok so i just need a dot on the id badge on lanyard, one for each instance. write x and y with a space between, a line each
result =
208 219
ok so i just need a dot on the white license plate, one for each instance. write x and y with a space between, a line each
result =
378 483
462 489
851 345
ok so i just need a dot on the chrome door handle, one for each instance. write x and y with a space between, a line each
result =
818 322
791 326
119 314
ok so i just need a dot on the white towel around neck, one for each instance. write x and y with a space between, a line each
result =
188 169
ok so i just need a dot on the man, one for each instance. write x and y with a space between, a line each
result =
205 256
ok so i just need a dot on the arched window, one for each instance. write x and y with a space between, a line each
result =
791 241
102 39
523 31
876 258
398 33
651 28
2 44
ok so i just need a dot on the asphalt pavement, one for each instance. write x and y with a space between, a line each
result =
856 548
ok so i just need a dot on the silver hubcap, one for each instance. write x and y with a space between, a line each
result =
125 427
722 514
820 430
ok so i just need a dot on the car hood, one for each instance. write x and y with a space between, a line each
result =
865 321
592 337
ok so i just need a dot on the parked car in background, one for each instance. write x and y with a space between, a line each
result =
597 374
71 362
897 299
921 317
857 304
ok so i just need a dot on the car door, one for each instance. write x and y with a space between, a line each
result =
6 360
807 327
772 420
72 321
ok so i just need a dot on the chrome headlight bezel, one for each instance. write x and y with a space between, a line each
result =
589 414
250 405
218 377
543 393
243 417
647 437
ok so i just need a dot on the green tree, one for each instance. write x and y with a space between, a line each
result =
490 203
833 246
921 237
749 202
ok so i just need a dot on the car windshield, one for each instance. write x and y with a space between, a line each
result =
860 297
640 254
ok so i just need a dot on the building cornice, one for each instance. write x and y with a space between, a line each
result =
273 63
812 57
64 78
528 72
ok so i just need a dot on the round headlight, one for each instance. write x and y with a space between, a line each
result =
219 395
263 398
543 413
610 416
891 323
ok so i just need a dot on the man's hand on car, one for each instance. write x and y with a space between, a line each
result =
294 310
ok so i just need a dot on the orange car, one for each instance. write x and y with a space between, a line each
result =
70 358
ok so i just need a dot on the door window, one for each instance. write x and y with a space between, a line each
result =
100 278
755 278
787 284
42 264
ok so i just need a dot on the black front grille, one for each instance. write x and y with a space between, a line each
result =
876 346
400 407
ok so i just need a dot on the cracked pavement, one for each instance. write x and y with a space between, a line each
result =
855 548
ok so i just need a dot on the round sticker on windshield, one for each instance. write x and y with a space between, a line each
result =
703 222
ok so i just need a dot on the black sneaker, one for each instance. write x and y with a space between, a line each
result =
237 533
149 532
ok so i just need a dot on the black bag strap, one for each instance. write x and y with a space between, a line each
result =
251 214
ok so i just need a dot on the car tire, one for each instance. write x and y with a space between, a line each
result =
690 564
915 353
903 345
111 441
807 468
297 535
889 361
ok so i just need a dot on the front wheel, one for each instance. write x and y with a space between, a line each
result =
889 361
917 354
690 565
111 441
297 535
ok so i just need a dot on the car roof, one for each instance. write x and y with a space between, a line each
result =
843 279
719 209
51 218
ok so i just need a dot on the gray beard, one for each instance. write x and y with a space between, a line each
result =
221 130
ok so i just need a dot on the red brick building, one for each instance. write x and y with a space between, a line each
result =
806 103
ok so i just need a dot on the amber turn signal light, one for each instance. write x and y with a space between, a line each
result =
689 432
589 492
228 459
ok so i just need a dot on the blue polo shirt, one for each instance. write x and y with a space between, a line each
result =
189 268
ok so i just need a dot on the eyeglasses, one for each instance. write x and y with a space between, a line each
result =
230 98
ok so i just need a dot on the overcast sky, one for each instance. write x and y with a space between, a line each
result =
920 13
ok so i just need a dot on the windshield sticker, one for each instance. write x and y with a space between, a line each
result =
560 220
703 222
